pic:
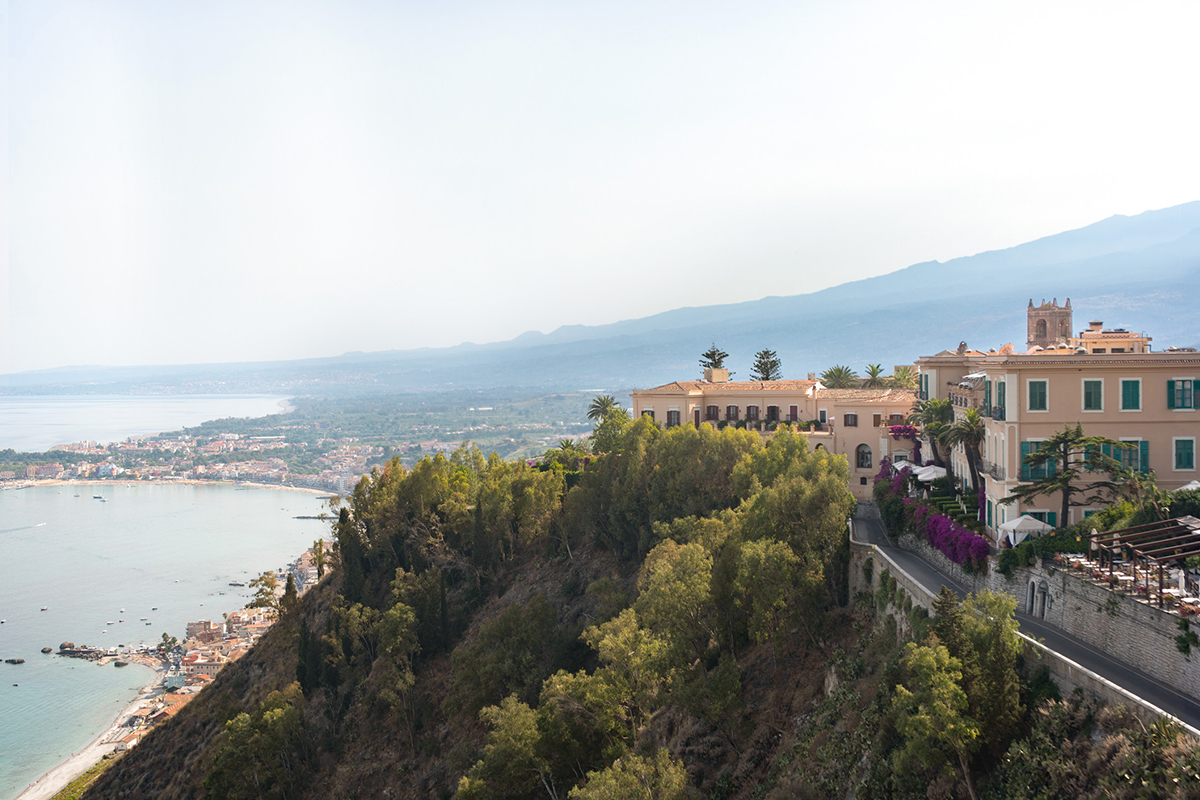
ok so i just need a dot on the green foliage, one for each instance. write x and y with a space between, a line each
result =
875 379
1068 458
839 377
767 366
262 754
512 653
932 715
658 476
608 435
675 599
634 777
713 358
904 378
511 768
264 587
1187 639
636 662
602 406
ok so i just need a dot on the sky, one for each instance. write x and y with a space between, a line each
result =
240 180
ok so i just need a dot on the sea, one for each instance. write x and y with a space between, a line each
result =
145 561
38 422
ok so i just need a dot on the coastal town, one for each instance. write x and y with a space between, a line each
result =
185 667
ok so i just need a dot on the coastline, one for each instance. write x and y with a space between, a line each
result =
58 778
27 483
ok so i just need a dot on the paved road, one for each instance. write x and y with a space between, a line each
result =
1131 680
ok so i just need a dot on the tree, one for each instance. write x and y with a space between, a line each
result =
606 437
261 754
932 715
992 685
511 766
318 557
290 600
1061 463
602 406
633 777
765 586
265 586
933 416
839 377
766 366
875 379
969 430
713 358
904 378
168 643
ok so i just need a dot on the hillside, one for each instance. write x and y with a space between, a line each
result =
678 623
1140 272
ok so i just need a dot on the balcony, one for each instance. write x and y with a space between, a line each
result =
993 469
997 413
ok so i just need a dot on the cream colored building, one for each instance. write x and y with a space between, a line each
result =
849 422
1133 395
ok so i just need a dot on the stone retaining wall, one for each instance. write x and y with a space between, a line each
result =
1134 632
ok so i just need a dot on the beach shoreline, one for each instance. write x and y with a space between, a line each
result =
58 778
27 483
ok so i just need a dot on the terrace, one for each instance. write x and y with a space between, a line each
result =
1146 562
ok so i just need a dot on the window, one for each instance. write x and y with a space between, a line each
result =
731 413
672 418
648 412
862 481
1118 349
1131 394
821 416
896 419
1100 350
1093 395
1181 393
712 412
773 413
1185 454
793 413
1043 470
1136 458
876 420
850 420
1048 517
751 412
862 456
1000 392
1038 401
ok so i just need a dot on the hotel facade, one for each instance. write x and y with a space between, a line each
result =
1107 380
850 422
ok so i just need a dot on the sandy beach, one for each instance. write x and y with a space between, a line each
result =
57 779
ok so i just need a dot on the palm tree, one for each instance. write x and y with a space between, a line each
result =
839 377
904 378
969 431
875 379
933 416
602 406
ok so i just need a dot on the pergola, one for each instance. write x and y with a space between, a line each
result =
1156 544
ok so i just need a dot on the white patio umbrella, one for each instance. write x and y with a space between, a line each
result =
1187 486
929 474
1016 530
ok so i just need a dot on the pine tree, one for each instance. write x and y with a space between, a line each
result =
766 366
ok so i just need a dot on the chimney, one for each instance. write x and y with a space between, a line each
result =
812 376
1095 326
716 375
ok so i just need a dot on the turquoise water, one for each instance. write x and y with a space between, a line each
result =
174 547
37 423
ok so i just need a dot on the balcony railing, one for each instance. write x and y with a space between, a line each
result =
994 469
997 413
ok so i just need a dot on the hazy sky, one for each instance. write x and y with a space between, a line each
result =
227 181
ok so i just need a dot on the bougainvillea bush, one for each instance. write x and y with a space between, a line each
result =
903 514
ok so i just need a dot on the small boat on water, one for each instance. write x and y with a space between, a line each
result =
45 608
97 497
147 623
110 622
154 608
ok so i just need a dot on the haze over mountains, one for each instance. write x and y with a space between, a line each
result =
1140 272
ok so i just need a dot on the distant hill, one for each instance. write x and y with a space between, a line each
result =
1140 272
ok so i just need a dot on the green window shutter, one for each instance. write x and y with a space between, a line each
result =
1185 457
1131 395
1195 393
989 513
1106 449
987 393
1170 394
1026 449
1052 519
1143 456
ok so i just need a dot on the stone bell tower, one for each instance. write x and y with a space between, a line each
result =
1048 323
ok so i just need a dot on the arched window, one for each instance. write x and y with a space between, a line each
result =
863 456
1040 329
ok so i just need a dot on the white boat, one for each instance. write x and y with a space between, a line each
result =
45 608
